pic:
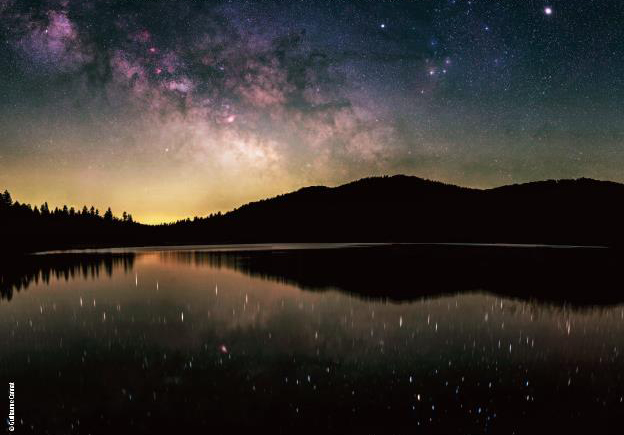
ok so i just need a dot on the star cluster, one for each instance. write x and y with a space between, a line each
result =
185 107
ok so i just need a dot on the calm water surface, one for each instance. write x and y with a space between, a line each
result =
193 341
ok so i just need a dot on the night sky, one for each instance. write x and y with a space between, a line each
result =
174 108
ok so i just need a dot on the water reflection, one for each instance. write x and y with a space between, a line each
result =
402 273
197 342
411 272
17 274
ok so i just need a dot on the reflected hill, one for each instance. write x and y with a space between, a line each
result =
409 272
402 272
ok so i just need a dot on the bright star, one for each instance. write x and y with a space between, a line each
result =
383 26
548 10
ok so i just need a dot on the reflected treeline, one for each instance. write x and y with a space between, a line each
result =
396 272
19 273
409 272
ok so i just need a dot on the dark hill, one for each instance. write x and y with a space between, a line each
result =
403 208
379 209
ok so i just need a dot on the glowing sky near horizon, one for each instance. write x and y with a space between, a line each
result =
176 108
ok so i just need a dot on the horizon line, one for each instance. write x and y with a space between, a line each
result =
207 214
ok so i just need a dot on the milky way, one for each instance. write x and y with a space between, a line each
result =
175 108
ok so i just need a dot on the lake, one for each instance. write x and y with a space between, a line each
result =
320 338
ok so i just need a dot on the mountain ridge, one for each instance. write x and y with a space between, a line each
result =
398 208
315 189
388 208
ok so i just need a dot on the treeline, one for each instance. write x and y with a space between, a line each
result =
8 206
28 228
381 209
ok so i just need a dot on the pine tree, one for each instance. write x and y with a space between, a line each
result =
5 199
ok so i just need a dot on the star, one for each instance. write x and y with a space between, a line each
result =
241 99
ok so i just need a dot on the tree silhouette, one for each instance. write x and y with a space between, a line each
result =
6 200
36 228
393 209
